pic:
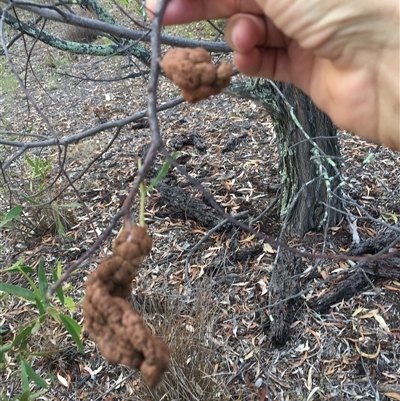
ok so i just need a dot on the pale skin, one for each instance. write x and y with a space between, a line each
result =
343 53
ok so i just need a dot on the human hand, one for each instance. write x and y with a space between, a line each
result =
342 53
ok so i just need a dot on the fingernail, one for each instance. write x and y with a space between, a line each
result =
232 38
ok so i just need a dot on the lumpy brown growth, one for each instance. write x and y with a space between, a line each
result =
110 320
193 71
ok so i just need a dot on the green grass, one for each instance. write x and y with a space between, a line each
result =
8 82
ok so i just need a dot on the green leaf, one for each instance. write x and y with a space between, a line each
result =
18 291
43 283
24 379
59 290
162 173
41 307
32 284
36 327
23 335
19 267
54 313
29 161
11 215
30 200
60 227
25 396
392 216
33 375
37 394
5 348
70 205
74 329
70 304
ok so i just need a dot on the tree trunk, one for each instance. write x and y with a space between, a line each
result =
309 154
282 286
310 179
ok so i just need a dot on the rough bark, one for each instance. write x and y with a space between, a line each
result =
283 285
374 245
309 156
310 181
342 291
345 289
375 269
182 205
131 47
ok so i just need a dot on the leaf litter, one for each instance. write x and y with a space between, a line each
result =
216 320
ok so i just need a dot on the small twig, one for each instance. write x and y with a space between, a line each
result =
265 211
368 218
96 158
24 134
374 390
117 79
215 27
116 384
17 76
127 15
204 238
24 146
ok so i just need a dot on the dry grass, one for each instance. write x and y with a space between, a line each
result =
189 329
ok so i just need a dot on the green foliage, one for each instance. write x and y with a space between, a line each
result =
28 373
39 211
73 328
12 215
18 291
56 308
144 189
390 217
40 169
140 7
162 173
8 82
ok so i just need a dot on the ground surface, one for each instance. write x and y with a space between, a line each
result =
206 299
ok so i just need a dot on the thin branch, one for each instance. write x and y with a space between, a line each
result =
204 238
85 134
96 158
55 14
117 79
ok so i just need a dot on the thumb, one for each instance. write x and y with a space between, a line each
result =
243 32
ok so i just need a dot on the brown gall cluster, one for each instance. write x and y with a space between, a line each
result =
193 71
110 319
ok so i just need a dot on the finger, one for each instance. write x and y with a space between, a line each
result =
261 49
278 64
245 31
184 11
266 63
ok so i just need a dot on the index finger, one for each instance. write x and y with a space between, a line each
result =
185 11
